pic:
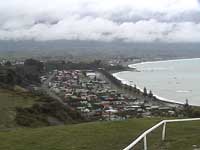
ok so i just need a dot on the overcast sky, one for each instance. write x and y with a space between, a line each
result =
101 20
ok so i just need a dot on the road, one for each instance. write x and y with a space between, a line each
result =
45 87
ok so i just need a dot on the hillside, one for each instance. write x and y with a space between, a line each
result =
96 49
101 136
9 100
85 136
19 108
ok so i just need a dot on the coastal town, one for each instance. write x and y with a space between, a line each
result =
92 90
91 94
100 75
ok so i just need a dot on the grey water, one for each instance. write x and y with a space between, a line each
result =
172 80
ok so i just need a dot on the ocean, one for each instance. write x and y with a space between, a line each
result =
172 80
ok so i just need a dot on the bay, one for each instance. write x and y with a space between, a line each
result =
172 80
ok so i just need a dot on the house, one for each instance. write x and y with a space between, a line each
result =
56 90
91 75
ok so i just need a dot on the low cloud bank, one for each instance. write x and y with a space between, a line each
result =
105 20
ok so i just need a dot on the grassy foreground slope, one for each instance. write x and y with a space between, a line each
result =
9 100
101 136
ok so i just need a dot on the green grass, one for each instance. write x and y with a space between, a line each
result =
9 100
88 136
183 136
101 136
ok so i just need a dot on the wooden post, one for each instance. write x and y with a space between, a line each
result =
145 142
164 131
164 123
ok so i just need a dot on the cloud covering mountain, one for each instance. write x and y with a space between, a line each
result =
101 20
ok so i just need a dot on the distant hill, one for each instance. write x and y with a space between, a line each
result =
96 49
102 136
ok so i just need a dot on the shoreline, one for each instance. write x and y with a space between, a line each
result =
159 98
159 61
133 66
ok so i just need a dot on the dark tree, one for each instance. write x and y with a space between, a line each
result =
63 64
150 94
135 88
8 63
145 91
39 66
130 88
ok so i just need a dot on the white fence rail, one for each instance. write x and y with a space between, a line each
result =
144 135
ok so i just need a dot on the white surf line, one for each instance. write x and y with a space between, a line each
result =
126 82
160 61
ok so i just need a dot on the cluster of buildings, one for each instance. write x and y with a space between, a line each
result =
94 98
13 62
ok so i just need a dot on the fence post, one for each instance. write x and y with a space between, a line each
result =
145 142
164 131
164 123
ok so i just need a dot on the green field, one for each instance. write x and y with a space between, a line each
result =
88 136
9 100
101 136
